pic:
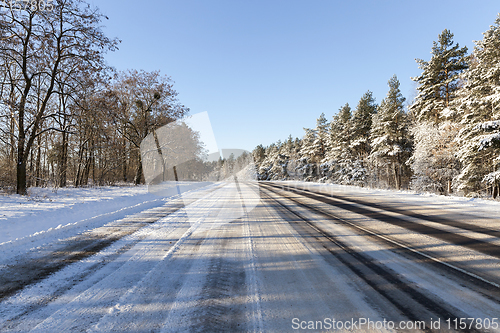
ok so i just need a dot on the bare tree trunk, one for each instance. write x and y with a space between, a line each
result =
92 162
63 161
388 175
79 167
138 174
38 163
21 164
124 159
12 158
397 177
86 171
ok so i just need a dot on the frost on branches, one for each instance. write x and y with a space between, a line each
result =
479 102
433 162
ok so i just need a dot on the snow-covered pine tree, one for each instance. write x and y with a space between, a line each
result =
391 146
339 163
479 106
307 149
313 149
290 149
281 168
433 162
439 80
339 133
306 166
288 154
259 154
266 165
490 144
280 161
361 124
319 143
293 164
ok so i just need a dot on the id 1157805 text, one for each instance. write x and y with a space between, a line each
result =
27 5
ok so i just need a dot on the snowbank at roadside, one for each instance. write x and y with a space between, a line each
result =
28 218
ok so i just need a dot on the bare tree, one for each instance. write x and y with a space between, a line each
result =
40 45
144 101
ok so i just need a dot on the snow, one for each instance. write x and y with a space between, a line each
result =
488 141
380 139
471 206
492 177
447 113
45 210
113 295
162 281
489 125
45 215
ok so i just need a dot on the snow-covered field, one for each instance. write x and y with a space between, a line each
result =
45 215
44 209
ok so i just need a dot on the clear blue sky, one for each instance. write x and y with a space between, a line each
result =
265 69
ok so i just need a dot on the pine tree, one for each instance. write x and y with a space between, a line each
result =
361 125
479 106
307 166
340 132
339 163
279 170
389 135
308 150
319 143
313 149
259 153
265 168
287 154
439 80
293 166
434 163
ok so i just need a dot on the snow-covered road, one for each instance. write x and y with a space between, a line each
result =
223 259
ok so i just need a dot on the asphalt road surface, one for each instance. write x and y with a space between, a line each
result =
264 257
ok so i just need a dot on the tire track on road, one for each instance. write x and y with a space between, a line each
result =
415 305
40 263
450 237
